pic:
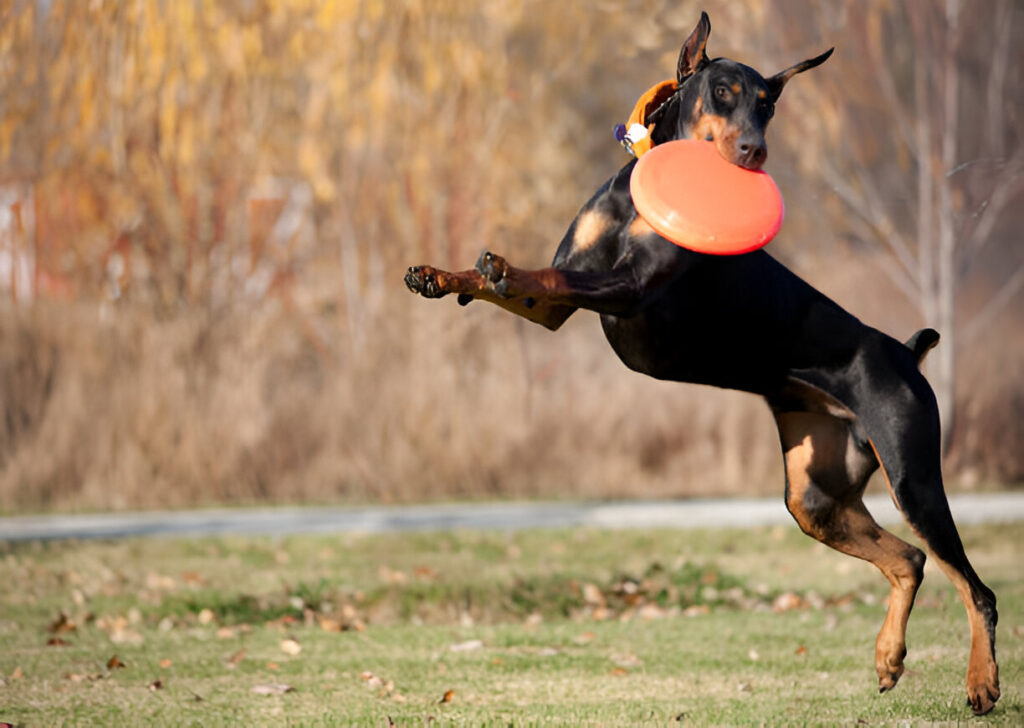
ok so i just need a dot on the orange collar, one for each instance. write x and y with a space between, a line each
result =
635 134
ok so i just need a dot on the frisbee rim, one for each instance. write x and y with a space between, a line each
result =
700 236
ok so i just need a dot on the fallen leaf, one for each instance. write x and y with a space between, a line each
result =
237 657
584 638
80 677
801 650
392 577
592 595
114 663
329 625
743 687
467 646
290 646
17 673
165 663
448 696
61 625
424 572
192 578
225 633
619 671
650 611
272 689
205 616
57 642
786 602
627 660
370 679
156 685
273 666
160 582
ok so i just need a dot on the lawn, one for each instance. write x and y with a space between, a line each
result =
559 627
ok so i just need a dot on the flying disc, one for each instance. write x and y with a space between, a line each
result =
690 195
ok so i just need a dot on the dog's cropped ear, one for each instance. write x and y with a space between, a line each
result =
693 56
778 81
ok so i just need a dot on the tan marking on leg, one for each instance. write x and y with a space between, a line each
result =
982 669
817 447
590 226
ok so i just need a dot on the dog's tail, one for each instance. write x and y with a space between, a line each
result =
922 342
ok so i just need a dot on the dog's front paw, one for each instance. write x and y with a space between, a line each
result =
424 280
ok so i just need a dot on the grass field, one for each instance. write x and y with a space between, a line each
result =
577 627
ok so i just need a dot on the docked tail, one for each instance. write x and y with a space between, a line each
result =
922 342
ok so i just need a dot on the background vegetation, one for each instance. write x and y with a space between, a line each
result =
206 210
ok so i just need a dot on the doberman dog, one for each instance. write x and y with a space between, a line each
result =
846 397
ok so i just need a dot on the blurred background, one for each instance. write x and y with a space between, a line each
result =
207 208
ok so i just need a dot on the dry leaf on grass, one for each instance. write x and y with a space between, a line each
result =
166 662
61 625
290 646
157 684
448 696
425 572
76 677
272 689
114 663
235 658
57 642
467 646
787 601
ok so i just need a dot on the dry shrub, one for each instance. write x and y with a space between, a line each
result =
444 403
237 369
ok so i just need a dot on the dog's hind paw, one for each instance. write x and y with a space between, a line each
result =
983 693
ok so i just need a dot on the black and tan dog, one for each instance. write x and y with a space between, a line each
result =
846 397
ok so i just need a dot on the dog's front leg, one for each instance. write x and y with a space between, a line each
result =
524 293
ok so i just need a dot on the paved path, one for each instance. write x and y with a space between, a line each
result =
741 512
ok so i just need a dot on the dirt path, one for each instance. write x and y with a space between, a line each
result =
743 512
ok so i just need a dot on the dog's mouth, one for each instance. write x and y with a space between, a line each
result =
745 152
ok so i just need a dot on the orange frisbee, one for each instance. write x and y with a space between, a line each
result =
690 195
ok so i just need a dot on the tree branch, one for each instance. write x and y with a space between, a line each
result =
873 214
993 308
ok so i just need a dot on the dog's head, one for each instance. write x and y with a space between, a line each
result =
724 101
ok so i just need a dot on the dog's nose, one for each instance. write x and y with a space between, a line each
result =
752 153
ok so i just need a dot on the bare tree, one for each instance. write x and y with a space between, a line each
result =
925 154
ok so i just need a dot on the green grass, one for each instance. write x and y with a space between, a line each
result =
578 627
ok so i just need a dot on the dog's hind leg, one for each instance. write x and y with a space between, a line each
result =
905 437
827 468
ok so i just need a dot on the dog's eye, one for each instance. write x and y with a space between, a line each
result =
722 92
